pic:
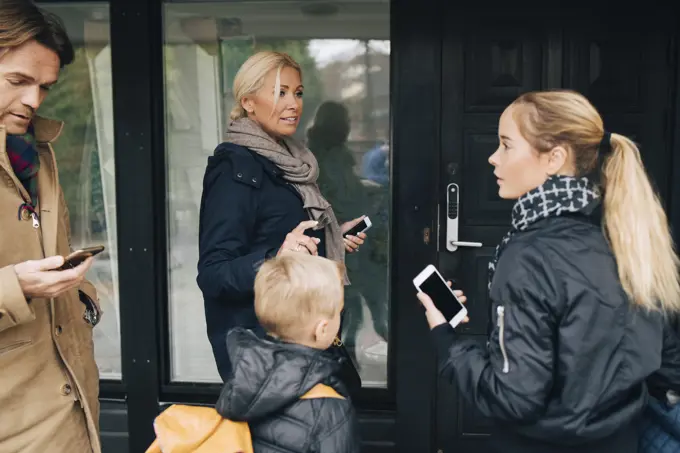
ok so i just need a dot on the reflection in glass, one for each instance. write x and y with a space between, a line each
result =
344 52
83 99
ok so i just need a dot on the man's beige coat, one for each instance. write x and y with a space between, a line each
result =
49 382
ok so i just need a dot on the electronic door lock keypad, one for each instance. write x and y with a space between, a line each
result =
452 200
452 219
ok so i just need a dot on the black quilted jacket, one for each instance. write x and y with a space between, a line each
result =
268 379
569 359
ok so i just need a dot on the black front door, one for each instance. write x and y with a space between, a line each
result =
488 59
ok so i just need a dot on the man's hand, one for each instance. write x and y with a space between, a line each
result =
38 279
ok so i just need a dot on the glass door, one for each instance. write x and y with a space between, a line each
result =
344 51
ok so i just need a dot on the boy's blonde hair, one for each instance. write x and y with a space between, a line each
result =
292 290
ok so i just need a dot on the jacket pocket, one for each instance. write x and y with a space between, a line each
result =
14 346
500 312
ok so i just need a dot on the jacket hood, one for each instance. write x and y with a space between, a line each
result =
269 375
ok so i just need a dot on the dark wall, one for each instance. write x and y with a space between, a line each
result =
113 422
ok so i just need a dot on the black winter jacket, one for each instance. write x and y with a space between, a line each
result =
269 377
566 363
247 209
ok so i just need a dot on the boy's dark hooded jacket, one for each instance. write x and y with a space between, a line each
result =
267 381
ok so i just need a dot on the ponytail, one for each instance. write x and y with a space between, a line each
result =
634 223
637 229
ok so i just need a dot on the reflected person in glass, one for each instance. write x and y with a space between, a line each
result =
327 138
260 197
49 382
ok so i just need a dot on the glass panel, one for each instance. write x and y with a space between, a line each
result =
83 99
344 50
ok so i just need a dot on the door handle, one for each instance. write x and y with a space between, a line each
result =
466 244
452 217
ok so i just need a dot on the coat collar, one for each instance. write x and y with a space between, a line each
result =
47 130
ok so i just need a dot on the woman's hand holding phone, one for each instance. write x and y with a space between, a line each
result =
352 243
434 316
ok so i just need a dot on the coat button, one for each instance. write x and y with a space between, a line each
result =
254 179
58 330
66 389
239 175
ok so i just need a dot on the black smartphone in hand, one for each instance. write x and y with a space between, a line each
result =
79 256
360 227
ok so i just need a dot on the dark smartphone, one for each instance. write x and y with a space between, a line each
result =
360 227
76 258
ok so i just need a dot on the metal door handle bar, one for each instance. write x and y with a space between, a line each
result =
466 244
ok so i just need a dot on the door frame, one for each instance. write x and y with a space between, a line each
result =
416 132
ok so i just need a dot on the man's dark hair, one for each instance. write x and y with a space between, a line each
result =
22 21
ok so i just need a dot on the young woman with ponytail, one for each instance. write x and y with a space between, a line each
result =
581 288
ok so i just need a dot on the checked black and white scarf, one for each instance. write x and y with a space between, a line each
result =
556 196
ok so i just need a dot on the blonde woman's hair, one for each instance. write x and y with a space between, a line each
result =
294 289
635 223
250 77
21 21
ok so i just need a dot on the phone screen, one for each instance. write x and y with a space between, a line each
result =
358 228
442 297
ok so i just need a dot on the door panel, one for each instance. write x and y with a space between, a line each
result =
113 421
498 66
627 77
487 61
416 130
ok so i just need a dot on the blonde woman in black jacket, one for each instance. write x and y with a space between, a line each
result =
579 300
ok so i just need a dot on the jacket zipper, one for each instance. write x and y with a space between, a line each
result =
34 216
500 311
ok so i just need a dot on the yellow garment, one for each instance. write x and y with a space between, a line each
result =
195 429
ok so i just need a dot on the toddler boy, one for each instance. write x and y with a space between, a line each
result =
298 301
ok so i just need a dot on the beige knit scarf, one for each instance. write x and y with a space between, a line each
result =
300 168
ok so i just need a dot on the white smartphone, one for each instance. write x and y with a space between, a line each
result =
360 227
433 284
